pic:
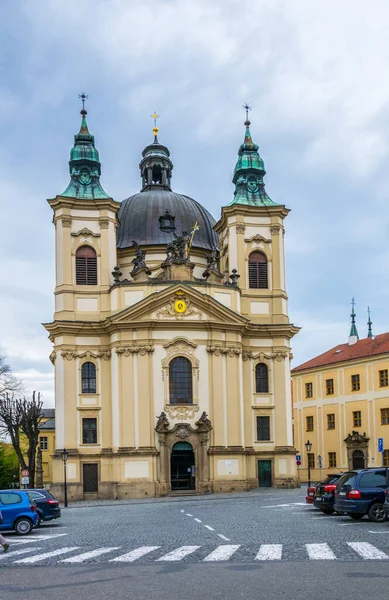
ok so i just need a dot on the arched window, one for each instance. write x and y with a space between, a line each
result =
261 378
258 270
88 378
86 266
180 381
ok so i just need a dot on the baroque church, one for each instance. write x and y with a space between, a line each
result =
171 335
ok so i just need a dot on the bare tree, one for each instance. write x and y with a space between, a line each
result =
8 382
18 417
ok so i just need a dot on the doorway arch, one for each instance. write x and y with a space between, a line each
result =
182 467
358 459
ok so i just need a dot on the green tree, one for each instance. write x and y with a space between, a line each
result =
9 468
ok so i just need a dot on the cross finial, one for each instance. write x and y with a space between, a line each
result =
369 324
155 128
83 97
247 107
353 303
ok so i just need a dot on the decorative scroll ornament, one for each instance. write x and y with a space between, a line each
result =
136 348
180 347
240 229
247 356
279 355
275 229
85 232
182 432
66 221
257 239
104 223
218 349
53 356
171 309
181 413
69 354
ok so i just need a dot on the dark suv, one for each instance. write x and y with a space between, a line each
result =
361 493
47 507
325 493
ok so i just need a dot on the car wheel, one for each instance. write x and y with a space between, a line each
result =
23 526
356 516
327 511
377 513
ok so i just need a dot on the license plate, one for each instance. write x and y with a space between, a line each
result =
319 499
342 494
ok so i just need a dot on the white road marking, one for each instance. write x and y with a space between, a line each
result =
182 511
288 505
178 553
320 552
135 554
355 523
17 552
210 528
367 551
379 532
223 537
87 555
198 520
189 515
23 539
39 557
269 552
222 553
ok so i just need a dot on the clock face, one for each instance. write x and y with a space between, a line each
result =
84 176
180 306
252 185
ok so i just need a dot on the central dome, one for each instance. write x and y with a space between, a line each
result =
139 215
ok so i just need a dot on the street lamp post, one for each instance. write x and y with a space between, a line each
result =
64 456
308 447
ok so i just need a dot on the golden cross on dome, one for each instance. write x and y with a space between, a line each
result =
83 97
194 229
155 117
247 107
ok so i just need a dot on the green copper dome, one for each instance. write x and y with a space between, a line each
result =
248 175
84 166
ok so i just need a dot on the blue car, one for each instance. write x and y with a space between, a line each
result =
362 492
18 511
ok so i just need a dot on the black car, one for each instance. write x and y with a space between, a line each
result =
47 506
325 493
362 492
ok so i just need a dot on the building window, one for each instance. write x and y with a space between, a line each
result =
263 429
258 270
384 380
309 390
331 421
311 460
384 416
385 458
89 431
329 387
261 378
86 266
43 443
357 418
309 423
332 459
180 381
355 383
88 378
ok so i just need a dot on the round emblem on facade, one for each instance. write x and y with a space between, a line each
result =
180 306
252 185
84 176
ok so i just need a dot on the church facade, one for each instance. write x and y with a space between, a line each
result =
171 336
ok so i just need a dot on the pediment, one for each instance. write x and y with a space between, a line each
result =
178 303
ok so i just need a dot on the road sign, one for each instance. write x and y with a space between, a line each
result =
25 473
298 457
380 444
298 462
25 480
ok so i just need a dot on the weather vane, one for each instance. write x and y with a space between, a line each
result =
155 117
247 107
83 97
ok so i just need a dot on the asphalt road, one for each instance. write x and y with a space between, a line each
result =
264 544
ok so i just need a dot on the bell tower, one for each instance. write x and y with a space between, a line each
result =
156 167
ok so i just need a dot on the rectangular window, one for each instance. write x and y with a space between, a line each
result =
329 387
332 459
311 460
308 390
89 431
309 423
43 443
385 458
331 421
384 380
384 416
357 418
355 383
263 429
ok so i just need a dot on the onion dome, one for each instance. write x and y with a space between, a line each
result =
141 215
84 165
249 173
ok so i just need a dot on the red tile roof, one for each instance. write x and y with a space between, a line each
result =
343 352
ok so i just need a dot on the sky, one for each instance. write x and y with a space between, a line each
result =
316 76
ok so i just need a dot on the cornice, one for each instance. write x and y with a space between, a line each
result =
79 203
241 209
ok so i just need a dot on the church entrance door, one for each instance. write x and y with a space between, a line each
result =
182 467
358 459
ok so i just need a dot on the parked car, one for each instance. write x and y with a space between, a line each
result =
310 493
18 511
362 492
325 493
47 506
386 503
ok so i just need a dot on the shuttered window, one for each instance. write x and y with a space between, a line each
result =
261 378
258 270
86 266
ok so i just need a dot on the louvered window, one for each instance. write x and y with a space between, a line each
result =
88 378
180 381
261 378
86 266
258 270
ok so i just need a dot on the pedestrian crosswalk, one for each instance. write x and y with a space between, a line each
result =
194 553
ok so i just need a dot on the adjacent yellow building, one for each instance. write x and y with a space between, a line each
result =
47 444
341 405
